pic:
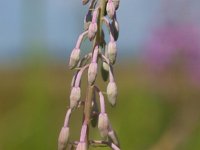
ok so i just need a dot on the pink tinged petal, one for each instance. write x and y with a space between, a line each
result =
110 8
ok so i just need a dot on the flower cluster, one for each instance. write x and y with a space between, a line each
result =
100 12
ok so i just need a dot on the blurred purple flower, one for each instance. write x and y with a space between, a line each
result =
170 43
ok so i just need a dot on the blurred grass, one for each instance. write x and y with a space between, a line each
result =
34 99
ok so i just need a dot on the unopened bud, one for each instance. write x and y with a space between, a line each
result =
110 8
116 4
113 137
81 146
75 96
63 138
92 30
112 93
92 73
103 124
74 58
112 51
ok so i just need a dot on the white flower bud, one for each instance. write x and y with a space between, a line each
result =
63 138
92 30
103 124
112 51
75 96
116 4
112 93
74 58
113 137
92 73
110 8
81 146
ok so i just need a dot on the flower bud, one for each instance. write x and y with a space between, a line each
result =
112 51
75 96
63 138
92 30
74 58
110 8
81 146
112 93
103 124
116 4
113 137
92 73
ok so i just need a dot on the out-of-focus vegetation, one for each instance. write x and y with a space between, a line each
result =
34 97
159 92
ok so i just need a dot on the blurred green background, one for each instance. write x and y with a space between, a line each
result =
157 73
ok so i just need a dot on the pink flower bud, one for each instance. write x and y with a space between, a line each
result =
110 8
81 146
75 96
74 58
92 30
93 26
116 4
112 51
112 93
63 138
103 124
92 73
